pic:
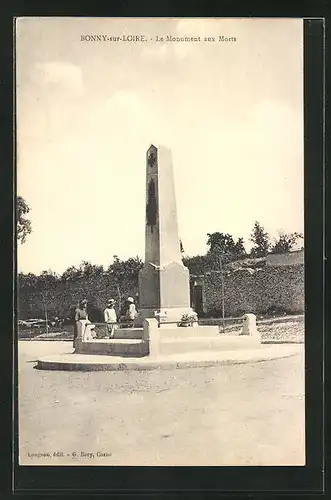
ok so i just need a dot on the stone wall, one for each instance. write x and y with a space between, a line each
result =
270 288
64 296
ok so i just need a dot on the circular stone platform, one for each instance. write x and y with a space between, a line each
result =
86 362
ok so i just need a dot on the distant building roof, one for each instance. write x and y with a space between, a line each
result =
285 259
255 264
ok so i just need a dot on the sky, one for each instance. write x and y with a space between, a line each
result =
231 113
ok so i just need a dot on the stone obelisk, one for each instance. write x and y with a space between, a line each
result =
164 288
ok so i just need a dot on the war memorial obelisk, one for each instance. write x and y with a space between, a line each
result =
164 285
164 294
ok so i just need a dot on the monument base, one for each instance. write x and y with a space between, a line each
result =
67 361
159 347
167 317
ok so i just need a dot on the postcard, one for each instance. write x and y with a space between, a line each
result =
160 227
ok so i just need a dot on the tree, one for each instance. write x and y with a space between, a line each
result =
47 280
28 281
27 288
23 225
123 275
285 242
198 264
87 269
240 250
260 239
71 274
222 249
127 269
221 244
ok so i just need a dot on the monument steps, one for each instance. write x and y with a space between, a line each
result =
115 347
167 332
174 345
128 333
119 341
170 339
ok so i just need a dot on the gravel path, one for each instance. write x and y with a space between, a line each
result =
250 414
289 331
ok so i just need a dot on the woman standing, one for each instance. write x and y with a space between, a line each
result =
131 310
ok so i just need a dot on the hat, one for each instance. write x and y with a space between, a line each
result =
111 301
130 299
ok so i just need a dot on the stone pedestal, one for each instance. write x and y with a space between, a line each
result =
249 326
85 332
164 293
164 289
151 336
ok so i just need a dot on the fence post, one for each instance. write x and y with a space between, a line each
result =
222 291
249 326
45 309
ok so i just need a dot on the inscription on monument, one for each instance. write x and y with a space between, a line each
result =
151 205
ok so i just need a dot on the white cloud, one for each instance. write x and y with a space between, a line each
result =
198 27
274 122
182 50
159 52
129 113
125 100
125 109
60 73
233 128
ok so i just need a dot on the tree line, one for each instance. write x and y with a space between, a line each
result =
222 248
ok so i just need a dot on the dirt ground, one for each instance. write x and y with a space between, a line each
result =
250 414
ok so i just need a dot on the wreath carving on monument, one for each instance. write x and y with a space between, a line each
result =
151 159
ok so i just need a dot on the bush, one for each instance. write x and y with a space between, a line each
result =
95 314
276 311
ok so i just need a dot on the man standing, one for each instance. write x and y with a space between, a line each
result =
110 317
